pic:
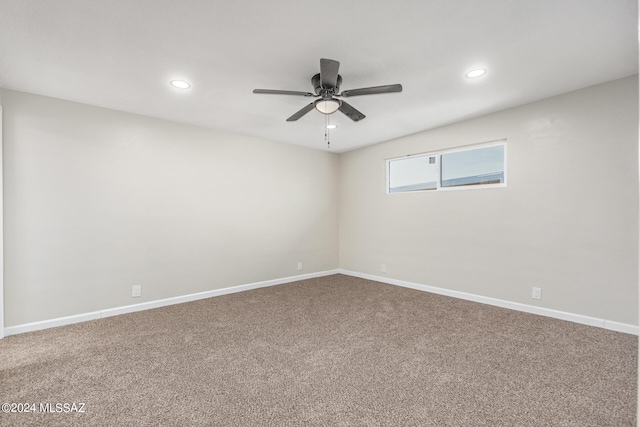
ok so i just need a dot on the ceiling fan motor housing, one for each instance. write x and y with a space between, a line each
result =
325 91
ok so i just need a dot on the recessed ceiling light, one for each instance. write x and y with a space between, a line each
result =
180 84
331 126
476 73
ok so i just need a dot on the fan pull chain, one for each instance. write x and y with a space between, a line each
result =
326 131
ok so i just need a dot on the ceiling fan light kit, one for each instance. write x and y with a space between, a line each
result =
327 106
326 86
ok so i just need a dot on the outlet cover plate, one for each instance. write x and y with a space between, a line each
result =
536 293
136 291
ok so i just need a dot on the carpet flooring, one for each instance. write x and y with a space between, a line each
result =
332 351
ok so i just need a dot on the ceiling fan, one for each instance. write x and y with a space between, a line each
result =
326 86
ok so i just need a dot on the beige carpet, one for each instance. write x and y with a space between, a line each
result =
333 351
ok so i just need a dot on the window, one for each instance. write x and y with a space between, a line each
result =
413 174
477 166
482 166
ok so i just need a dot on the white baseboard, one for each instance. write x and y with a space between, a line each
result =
52 323
61 321
577 318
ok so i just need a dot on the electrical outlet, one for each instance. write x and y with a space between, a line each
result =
383 268
300 266
536 293
136 291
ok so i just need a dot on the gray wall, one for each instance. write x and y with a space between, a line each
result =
98 200
567 221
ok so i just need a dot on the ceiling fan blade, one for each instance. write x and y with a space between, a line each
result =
304 110
329 73
372 90
351 112
282 92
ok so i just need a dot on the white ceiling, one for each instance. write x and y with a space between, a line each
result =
121 54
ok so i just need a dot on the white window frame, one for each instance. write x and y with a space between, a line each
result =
438 154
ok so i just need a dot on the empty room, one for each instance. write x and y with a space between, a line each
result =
336 213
